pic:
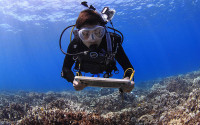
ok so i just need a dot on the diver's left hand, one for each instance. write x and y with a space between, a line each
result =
128 88
78 85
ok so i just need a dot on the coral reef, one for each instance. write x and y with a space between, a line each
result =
38 116
172 100
186 113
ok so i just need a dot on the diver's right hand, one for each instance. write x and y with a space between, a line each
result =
78 85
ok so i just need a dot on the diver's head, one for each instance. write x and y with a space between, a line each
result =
90 27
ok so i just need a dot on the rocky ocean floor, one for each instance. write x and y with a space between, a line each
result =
172 100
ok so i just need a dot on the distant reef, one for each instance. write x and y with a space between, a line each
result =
172 100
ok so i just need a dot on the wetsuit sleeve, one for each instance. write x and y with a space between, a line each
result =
123 60
67 65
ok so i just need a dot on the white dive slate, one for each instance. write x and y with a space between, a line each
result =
103 82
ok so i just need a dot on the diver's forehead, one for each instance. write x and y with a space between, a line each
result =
89 26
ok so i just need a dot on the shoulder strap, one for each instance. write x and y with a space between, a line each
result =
109 43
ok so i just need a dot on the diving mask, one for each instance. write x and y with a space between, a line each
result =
91 34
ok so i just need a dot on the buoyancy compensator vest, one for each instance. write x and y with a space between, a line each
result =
98 60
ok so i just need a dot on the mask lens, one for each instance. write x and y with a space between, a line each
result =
85 34
99 32
96 32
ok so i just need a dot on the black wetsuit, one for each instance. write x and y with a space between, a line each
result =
77 46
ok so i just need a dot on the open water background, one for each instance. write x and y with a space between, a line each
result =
162 38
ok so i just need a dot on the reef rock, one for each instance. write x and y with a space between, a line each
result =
172 100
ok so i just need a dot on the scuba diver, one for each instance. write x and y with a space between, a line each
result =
95 50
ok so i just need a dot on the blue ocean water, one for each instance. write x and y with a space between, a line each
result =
162 38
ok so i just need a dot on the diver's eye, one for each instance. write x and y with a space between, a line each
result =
98 32
85 34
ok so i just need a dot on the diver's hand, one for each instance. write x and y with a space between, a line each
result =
128 88
78 85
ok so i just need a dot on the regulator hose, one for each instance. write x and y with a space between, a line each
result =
118 32
85 52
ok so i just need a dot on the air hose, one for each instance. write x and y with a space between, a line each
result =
85 52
